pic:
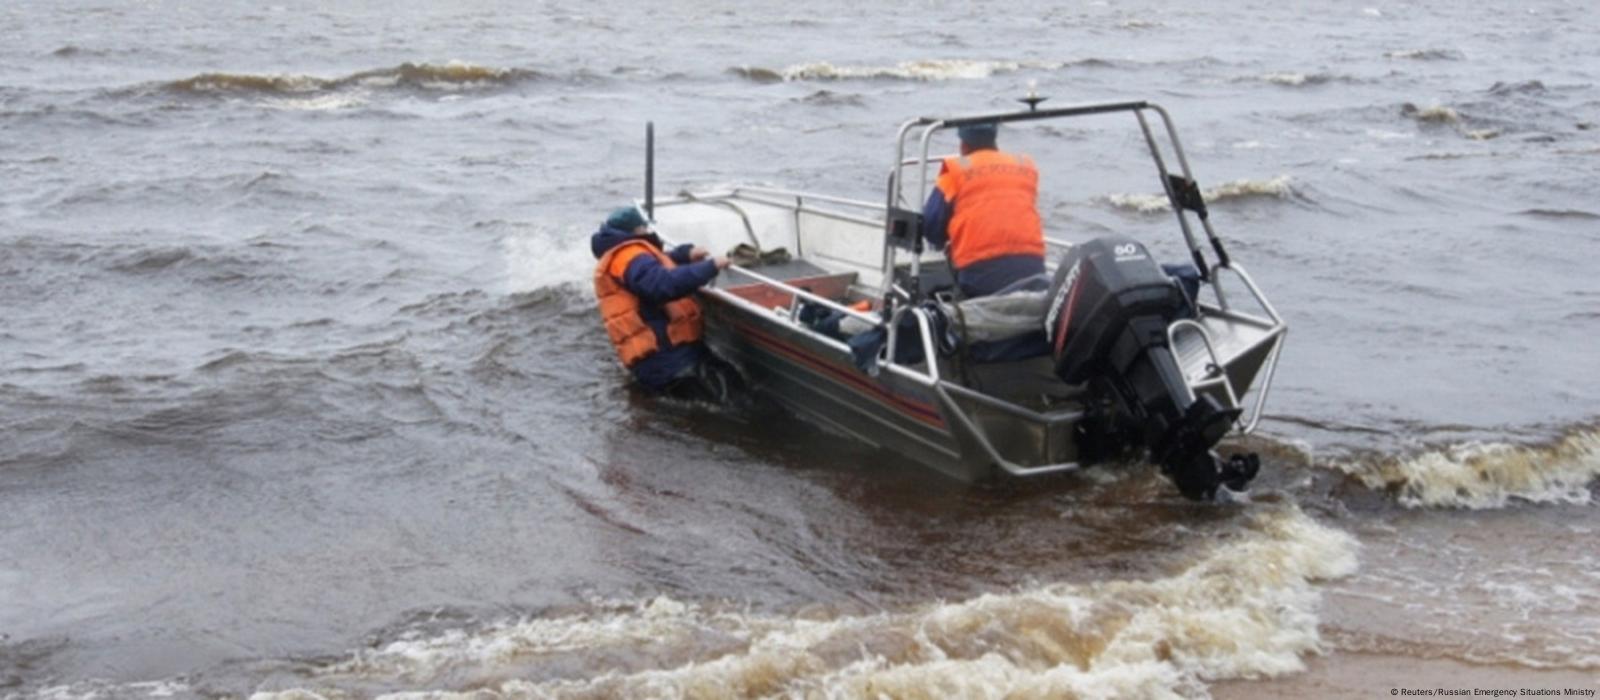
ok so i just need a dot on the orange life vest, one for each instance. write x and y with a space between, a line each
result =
619 308
995 199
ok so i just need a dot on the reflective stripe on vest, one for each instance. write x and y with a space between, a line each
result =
619 308
995 200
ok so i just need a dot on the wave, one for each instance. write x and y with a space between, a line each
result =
1526 87
1280 187
1449 155
201 262
1561 214
1301 79
539 257
318 103
757 74
452 76
57 116
151 259
926 70
1437 114
829 98
232 82
99 688
206 189
1488 475
1426 55
1246 609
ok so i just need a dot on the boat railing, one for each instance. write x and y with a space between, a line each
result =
1183 196
799 294
798 202
1276 335
1051 420
927 372
1182 193
928 375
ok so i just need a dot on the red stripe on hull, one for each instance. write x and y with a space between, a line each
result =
916 409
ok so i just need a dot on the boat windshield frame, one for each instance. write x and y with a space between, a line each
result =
1181 191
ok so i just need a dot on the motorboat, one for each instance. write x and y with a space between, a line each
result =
840 311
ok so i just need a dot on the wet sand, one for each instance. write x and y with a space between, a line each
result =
1345 675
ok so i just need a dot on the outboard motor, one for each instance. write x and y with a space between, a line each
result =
1107 320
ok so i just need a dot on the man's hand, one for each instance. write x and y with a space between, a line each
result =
721 262
696 254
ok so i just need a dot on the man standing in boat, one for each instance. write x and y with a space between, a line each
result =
647 302
984 209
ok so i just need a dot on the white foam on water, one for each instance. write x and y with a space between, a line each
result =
537 258
1245 609
1386 135
1276 187
378 80
1142 203
99 689
319 103
230 82
1280 187
1436 114
1294 79
1479 475
929 70
298 694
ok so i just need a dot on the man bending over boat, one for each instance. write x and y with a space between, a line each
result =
647 302
985 210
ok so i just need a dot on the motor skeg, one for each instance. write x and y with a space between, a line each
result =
1106 321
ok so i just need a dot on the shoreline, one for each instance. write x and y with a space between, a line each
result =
1365 675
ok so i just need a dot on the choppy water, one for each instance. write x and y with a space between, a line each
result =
302 391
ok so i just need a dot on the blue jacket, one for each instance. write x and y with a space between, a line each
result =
655 285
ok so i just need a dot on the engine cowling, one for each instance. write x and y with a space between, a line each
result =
1106 322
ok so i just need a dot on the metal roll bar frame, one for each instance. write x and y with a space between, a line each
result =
1182 195
945 390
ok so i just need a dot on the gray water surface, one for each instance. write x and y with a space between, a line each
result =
299 363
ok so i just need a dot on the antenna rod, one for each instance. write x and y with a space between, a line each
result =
650 170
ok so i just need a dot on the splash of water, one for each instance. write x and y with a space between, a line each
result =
1478 475
1246 609
1279 187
